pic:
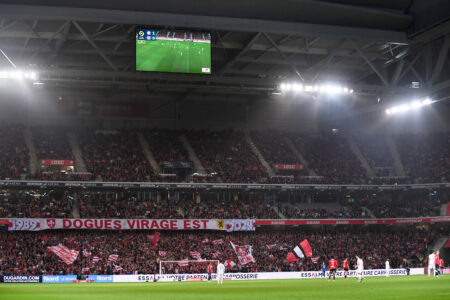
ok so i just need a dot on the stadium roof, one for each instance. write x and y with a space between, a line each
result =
377 47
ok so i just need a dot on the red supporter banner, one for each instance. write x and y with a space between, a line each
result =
131 224
57 162
284 167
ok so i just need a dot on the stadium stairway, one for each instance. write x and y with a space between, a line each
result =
80 166
299 155
398 165
368 212
445 209
75 210
355 149
32 150
192 155
440 243
258 154
275 209
148 153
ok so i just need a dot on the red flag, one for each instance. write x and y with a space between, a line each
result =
218 242
183 263
68 256
162 253
205 241
315 260
244 253
302 250
154 238
118 268
95 259
86 253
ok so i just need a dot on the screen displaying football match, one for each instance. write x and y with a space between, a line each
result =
173 51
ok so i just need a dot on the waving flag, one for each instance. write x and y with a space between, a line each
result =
205 241
95 259
86 253
301 251
244 253
154 238
118 268
283 248
162 253
229 264
315 260
65 254
196 255
216 254
183 263
218 242
271 246
113 257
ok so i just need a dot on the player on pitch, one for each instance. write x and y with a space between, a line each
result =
431 265
324 269
346 268
437 264
332 265
388 268
209 270
359 268
220 273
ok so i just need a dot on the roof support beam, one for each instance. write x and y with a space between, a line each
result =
198 21
372 66
410 65
397 72
59 44
94 45
224 69
326 61
441 60
294 68
45 45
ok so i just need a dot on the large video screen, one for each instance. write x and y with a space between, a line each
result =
173 51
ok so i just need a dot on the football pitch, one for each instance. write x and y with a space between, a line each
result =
404 287
173 56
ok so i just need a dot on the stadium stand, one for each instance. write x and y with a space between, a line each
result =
14 156
25 252
114 156
226 154
30 205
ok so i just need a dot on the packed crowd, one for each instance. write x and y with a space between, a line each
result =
407 208
426 158
27 253
166 146
377 153
14 156
227 157
323 213
115 156
51 143
330 156
227 154
35 205
175 205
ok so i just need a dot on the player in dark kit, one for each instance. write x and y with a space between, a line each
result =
346 268
209 270
332 265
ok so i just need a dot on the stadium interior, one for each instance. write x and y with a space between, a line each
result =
326 121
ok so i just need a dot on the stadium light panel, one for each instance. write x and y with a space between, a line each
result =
324 88
409 106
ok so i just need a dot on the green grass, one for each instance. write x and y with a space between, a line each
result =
172 56
411 287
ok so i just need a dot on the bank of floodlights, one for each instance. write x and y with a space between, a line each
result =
405 107
18 75
322 88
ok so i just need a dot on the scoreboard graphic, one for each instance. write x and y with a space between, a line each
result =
146 35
